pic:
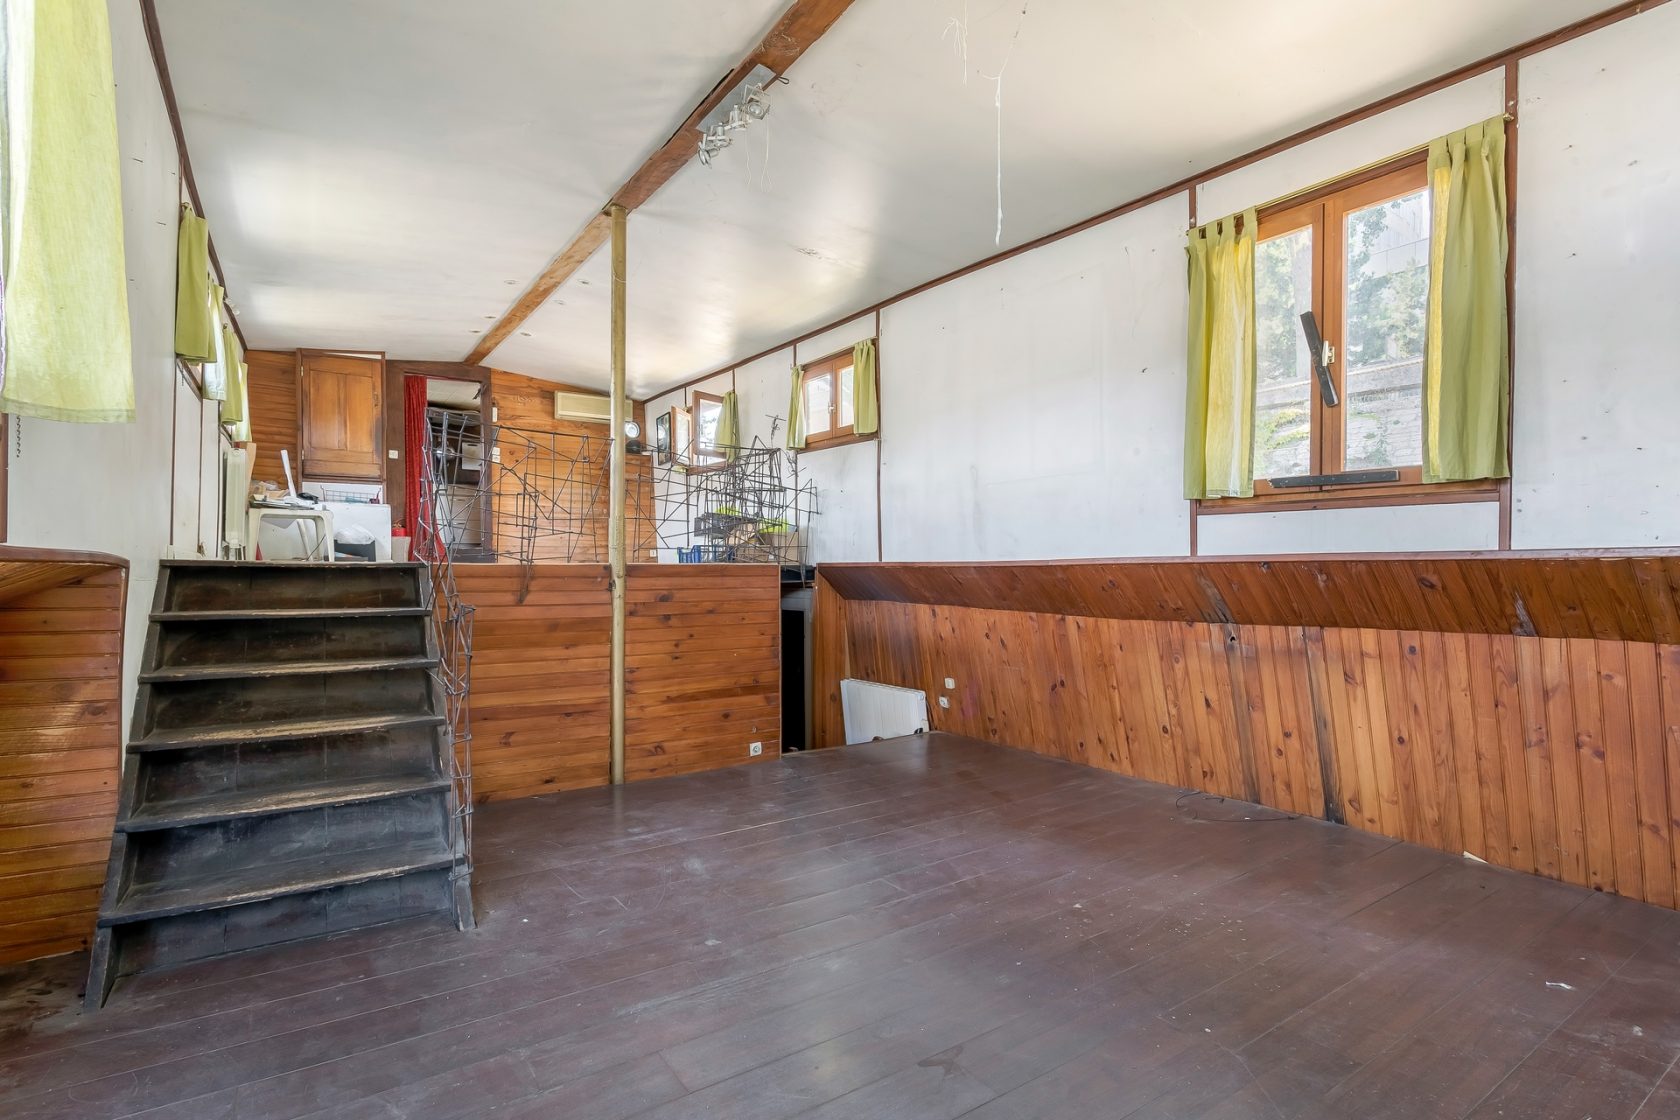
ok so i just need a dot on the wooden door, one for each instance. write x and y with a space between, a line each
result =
343 417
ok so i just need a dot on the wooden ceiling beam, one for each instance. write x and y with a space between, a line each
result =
802 24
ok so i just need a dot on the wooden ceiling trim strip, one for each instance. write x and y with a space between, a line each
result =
160 62
801 25
1605 595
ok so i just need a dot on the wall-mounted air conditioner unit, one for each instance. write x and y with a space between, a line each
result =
587 407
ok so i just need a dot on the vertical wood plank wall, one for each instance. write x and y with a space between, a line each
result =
60 758
1556 755
703 672
572 509
272 382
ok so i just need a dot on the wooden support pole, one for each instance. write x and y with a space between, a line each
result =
616 485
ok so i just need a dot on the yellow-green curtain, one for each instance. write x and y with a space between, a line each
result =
796 412
235 408
1466 387
67 353
866 401
729 426
1219 394
195 317
213 374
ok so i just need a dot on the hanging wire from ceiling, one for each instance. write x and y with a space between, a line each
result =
997 104
956 29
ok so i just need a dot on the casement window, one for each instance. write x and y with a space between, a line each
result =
707 411
1350 345
1351 266
828 401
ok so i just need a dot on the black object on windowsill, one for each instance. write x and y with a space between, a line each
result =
1343 478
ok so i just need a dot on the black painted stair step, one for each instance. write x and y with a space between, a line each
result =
258 884
236 669
186 738
264 802
260 614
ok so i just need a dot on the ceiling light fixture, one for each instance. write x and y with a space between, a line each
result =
746 103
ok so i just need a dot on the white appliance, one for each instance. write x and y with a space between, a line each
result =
881 711
582 406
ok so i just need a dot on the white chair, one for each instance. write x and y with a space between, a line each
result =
322 519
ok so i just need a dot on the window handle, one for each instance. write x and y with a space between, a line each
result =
1322 355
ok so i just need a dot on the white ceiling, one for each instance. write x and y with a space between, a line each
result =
389 175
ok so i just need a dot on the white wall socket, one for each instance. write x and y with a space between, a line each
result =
392 453
944 701
950 682
755 749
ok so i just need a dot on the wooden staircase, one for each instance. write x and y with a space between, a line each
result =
287 774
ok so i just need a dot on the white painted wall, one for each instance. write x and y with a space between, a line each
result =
1596 459
1034 409
112 487
1467 527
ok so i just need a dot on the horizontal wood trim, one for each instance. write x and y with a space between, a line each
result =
1607 594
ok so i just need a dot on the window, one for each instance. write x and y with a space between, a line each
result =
1356 259
828 404
707 411
682 437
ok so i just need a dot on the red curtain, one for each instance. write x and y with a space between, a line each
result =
414 450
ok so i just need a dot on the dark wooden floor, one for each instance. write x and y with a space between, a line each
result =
909 929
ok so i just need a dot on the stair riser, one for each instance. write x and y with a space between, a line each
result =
278 586
190 704
165 776
189 937
209 850
286 641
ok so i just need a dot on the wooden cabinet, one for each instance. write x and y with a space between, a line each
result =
342 414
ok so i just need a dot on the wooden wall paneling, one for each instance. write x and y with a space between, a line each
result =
1552 754
1669 690
830 663
272 382
704 648
703 659
1656 781
1619 765
60 748
1606 593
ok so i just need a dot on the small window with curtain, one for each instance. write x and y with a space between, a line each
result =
828 404
1349 345
707 410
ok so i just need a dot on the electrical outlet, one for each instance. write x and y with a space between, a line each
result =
495 454
392 453
755 749
950 683
944 701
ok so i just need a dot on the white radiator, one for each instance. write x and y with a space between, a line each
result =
236 498
881 711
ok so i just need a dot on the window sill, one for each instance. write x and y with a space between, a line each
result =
1355 497
839 441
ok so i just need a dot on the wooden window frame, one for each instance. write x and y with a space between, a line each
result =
703 458
837 435
1324 210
